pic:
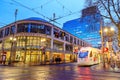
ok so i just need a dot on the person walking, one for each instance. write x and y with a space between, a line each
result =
112 64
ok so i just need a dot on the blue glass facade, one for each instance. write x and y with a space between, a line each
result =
86 28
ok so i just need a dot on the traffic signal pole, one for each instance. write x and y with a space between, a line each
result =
102 43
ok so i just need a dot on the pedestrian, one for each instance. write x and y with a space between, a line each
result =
113 65
59 59
3 59
56 60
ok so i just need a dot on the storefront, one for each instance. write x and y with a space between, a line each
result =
37 42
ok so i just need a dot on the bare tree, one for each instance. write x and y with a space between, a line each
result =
110 10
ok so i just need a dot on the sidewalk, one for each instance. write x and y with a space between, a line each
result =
100 67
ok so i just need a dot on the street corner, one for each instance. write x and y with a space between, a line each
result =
105 68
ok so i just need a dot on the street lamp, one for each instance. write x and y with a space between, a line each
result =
106 35
12 40
109 33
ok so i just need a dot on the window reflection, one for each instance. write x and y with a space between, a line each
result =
34 28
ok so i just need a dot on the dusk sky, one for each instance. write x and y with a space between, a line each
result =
40 8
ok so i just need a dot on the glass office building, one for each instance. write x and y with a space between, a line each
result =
86 27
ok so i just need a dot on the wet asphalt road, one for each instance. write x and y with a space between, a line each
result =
55 72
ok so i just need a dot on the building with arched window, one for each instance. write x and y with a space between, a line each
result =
36 41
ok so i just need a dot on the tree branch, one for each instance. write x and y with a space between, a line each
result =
113 5
105 16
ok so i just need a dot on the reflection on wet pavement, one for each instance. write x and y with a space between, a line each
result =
55 72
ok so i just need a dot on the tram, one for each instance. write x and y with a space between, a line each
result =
88 56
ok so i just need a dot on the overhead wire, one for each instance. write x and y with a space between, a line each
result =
54 18
2 24
63 6
71 13
11 3
35 11
42 5
50 20
66 15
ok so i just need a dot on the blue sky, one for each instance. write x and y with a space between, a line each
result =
34 8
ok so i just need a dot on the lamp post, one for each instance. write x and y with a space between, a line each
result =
106 34
102 43
109 33
12 40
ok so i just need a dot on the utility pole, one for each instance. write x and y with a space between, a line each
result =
12 39
102 42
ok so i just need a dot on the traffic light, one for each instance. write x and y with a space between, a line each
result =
105 49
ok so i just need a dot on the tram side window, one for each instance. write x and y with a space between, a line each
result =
83 54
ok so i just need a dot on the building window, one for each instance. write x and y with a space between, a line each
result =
68 47
57 46
1 33
12 29
7 30
66 37
56 33
74 40
22 27
48 30
62 35
78 42
71 39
